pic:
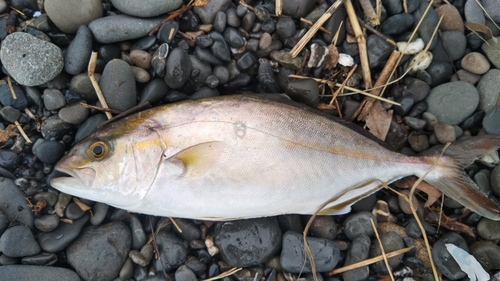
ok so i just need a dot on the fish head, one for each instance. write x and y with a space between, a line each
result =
110 167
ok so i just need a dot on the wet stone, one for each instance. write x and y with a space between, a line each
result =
99 252
378 50
262 13
18 241
443 259
118 85
488 229
47 223
439 71
359 223
249 242
206 56
62 236
232 18
325 252
285 27
220 48
268 26
204 41
200 72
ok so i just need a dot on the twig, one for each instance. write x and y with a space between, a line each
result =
311 23
310 33
367 103
336 36
242 3
175 225
91 70
369 11
303 63
487 14
66 220
114 111
23 133
171 17
17 11
278 7
342 86
386 261
11 88
369 261
363 53
376 32
224 274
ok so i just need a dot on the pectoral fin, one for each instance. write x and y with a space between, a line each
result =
198 159
341 204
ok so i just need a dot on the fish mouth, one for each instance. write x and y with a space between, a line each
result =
68 180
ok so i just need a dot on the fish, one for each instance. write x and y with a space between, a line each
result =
247 156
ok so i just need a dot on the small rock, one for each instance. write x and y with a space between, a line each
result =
488 89
306 91
18 241
358 251
119 28
487 254
464 75
99 211
488 229
475 63
47 223
490 121
185 273
378 50
391 241
77 54
473 12
62 236
359 223
179 68
324 227
444 133
207 12
443 259
172 251
397 24
10 114
490 48
73 211
53 99
74 113
13 205
49 151
285 59
285 27
33 272
152 9
297 9
118 85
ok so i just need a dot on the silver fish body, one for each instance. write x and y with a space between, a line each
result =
241 157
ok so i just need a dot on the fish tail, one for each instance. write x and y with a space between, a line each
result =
452 180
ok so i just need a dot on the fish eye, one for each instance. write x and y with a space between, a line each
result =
98 150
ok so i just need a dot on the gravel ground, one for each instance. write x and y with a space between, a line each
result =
223 48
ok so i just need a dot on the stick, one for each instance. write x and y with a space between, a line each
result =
341 88
378 33
91 70
369 11
310 33
175 224
278 7
171 17
367 103
11 88
100 108
363 53
23 133
311 23
242 3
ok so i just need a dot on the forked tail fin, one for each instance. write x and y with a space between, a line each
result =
455 183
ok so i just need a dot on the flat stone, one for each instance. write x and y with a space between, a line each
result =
29 60
18 241
488 88
151 9
492 50
118 85
74 113
451 47
207 12
452 21
34 272
69 15
443 259
118 28
12 203
77 54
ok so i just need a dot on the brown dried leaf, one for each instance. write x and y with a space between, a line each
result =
199 3
7 133
332 58
432 217
480 28
379 121
432 193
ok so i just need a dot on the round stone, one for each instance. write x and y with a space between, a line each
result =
488 88
49 151
141 9
118 85
179 68
119 28
452 21
29 60
18 241
74 113
475 63
68 15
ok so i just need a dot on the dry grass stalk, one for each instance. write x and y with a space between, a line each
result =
175 224
367 103
17 11
369 261
13 93
242 3
21 130
66 220
369 11
336 36
224 274
308 22
386 261
91 70
278 7
363 53
487 14
341 88
376 32
310 33
331 84
100 108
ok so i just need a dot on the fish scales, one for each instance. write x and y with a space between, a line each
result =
240 157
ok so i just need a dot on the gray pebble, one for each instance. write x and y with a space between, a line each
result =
69 15
222 73
141 58
147 251
47 223
82 85
207 12
206 56
443 259
74 113
127 270
179 68
53 99
18 241
455 43
297 9
154 91
248 21
13 205
487 254
34 272
488 89
444 104
359 223
172 251
220 21
89 126
491 6
391 241
73 211
62 236
473 12
6 98
490 121
249 242
464 75
265 40
378 50
152 9
232 18
428 25
118 85
397 24
40 259
49 151
358 251
285 59
414 123
199 74
10 114
285 27
306 91
118 28
325 253
29 60
444 133
490 48
99 252
49 197
233 38
138 235
488 229
476 63
99 211
77 54
212 82
185 273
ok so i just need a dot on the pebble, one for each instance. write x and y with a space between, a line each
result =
34 272
29 60
326 253
18 241
488 229
439 71
40 259
490 48
244 243
267 78
464 75
141 58
74 113
99 211
118 28
185 273
285 59
246 61
220 21
406 102
199 74
49 151
490 121
82 85
172 251
77 54
473 12
391 241
168 31
232 18
285 27
488 89
53 99
324 227
487 254
306 91
10 114
428 24
452 21
476 63
397 24
359 223
89 126
443 259
47 223
69 15
493 10
73 211
265 40
118 85
62 236
140 74
444 104
378 50
450 46
13 205
418 142
358 251
140 9
154 91
444 133
297 9
179 68
6 98
138 235
99 252
207 12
